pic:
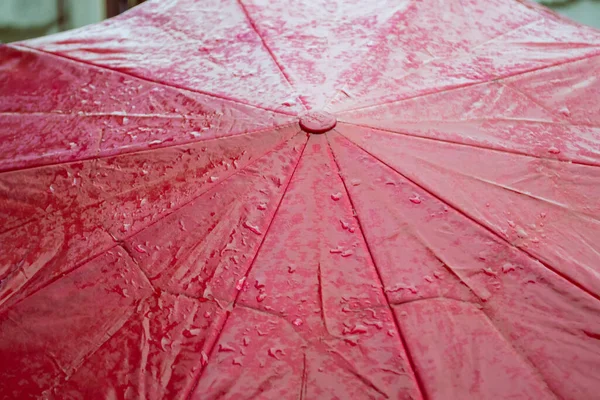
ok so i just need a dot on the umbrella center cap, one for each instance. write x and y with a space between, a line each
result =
317 122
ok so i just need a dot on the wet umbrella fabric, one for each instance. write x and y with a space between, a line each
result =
307 199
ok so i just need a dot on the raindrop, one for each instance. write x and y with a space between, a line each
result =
488 271
213 179
203 358
140 249
553 150
273 352
428 278
252 228
223 348
261 297
207 314
337 250
377 324
506 268
51 189
347 253
521 233
262 206
355 182
240 283
237 361
336 196
415 199
565 111
246 340
297 322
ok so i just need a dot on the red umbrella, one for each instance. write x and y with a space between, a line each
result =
173 225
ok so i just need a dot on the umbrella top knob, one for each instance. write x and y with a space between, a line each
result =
317 122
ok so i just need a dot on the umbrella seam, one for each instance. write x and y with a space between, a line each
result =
452 56
492 232
212 349
404 344
482 82
22 46
271 54
525 359
157 148
124 239
515 152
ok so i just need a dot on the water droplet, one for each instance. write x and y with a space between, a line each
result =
543 215
224 348
377 324
252 228
195 331
415 199
428 279
553 150
564 111
336 196
488 271
195 134
506 268
273 352
261 297
140 249
213 179
262 206
345 225
203 358
355 182
521 233
237 361
347 253
240 283
511 224
51 189
246 340
337 250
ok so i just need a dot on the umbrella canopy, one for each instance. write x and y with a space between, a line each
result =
302 199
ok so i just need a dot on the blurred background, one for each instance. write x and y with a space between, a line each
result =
24 19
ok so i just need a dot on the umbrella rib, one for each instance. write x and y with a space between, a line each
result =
138 151
271 54
403 341
477 146
211 351
22 46
461 86
474 220
119 242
